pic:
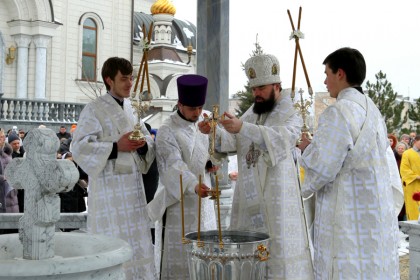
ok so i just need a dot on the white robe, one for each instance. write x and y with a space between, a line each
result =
116 201
267 197
355 230
180 149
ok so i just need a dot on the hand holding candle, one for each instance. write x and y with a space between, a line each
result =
202 190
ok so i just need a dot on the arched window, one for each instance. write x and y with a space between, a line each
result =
89 50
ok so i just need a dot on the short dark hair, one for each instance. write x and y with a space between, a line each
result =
350 61
111 67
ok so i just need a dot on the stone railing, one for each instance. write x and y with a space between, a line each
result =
39 111
67 220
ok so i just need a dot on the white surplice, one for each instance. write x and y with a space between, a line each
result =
180 149
355 230
116 201
267 197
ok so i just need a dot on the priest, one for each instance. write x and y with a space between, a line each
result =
267 196
182 152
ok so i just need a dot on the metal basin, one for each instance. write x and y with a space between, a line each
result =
242 255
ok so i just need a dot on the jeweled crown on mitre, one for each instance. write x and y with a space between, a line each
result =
262 70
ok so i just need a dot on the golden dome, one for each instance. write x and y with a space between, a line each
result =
163 7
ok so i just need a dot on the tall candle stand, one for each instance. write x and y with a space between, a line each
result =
303 106
137 103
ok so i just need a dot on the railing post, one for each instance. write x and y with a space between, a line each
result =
1 108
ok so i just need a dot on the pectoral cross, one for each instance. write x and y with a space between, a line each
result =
252 156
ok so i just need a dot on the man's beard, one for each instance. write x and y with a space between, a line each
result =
266 105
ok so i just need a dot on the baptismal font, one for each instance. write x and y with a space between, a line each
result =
217 254
224 255
138 104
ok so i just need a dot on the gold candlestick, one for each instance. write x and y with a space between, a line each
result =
184 241
142 74
218 214
199 242
303 106
213 123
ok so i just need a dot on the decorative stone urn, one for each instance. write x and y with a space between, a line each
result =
38 252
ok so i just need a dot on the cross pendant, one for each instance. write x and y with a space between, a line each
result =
252 156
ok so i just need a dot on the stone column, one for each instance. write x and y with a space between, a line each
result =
213 50
41 43
213 63
22 42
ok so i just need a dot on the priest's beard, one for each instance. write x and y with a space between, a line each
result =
264 106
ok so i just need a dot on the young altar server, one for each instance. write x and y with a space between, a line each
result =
267 195
114 164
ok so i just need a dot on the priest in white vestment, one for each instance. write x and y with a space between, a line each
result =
346 167
181 149
114 164
267 195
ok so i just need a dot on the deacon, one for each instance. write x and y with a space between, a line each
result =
182 150
267 196
357 187
114 164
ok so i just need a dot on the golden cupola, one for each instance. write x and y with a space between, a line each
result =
163 12
163 7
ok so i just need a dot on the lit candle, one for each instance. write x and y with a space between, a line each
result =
182 205
199 207
218 210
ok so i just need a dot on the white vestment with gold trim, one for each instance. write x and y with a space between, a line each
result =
180 149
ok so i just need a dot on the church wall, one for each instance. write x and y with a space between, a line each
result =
143 5
64 48
9 71
114 40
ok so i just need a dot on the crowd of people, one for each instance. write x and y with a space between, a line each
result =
11 146
352 171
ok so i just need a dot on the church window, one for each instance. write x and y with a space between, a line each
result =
89 50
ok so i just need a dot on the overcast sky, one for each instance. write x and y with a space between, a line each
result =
387 33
